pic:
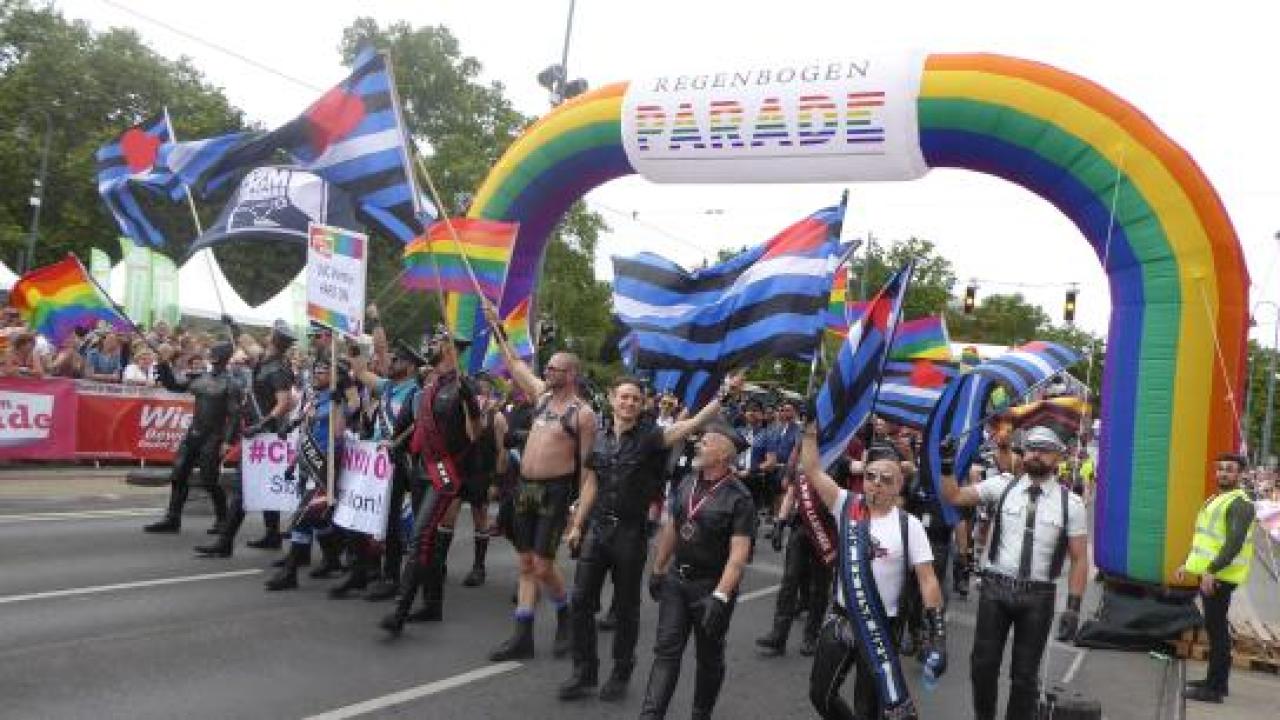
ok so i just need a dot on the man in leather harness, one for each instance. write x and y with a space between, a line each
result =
563 433
608 534
214 428
269 404
486 462
1036 525
1221 554
702 551
444 431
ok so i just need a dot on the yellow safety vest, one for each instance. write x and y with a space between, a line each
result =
1211 533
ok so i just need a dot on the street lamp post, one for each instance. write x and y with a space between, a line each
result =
37 189
556 77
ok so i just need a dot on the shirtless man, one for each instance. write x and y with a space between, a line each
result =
562 436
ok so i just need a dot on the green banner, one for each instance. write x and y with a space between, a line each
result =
137 287
164 290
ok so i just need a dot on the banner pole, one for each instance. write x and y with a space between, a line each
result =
195 217
335 407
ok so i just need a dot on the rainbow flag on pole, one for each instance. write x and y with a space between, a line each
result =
516 325
485 244
56 299
922 339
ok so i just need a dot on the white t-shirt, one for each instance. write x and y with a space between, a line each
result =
135 375
1013 524
887 566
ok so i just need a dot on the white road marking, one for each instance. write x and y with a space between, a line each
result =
757 594
404 696
96 589
80 515
1075 666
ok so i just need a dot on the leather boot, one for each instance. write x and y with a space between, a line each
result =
432 598
271 540
394 622
774 643
219 498
287 577
476 578
331 556
304 557
519 646
615 688
167 526
581 683
384 589
960 575
218 548
357 579
662 685
564 633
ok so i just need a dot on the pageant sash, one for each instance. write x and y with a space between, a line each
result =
814 516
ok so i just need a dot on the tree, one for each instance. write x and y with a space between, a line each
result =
931 282
93 86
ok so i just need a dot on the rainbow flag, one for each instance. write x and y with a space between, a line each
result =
922 339
436 261
837 305
516 325
56 299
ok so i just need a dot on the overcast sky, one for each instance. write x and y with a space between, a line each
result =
1205 75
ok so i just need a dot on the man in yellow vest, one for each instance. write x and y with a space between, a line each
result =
1221 554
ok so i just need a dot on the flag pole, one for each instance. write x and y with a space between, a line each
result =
195 217
453 232
114 305
893 331
334 408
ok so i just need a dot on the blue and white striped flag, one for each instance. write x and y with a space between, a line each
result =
846 398
909 390
126 165
766 301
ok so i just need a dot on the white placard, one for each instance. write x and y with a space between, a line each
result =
336 264
263 460
818 121
364 488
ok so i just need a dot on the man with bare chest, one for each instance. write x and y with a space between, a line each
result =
562 435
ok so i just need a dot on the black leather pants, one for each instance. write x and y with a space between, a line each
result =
424 566
609 547
201 451
1030 615
801 566
680 613
837 655
396 540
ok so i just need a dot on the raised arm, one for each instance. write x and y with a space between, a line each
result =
966 496
811 463
682 429
520 370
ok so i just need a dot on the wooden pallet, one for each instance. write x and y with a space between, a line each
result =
1254 646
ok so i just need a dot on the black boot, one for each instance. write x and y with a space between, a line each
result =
444 539
774 643
272 540
218 548
475 578
615 688
517 647
432 598
357 579
662 685
304 557
581 683
287 577
394 622
331 556
564 633
168 526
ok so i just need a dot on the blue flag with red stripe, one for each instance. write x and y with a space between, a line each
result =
125 166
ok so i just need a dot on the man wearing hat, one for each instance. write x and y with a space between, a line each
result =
269 402
1037 524
444 429
702 550
395 402
214 428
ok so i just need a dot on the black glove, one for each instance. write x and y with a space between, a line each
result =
655 585
937 629
715 616
948 452
778 528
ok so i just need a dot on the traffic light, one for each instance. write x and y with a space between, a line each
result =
970 298
1069 307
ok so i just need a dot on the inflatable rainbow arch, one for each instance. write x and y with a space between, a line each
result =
1177 275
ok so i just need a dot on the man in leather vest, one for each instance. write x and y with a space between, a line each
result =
214 426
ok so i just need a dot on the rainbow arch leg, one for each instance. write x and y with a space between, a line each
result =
1177 276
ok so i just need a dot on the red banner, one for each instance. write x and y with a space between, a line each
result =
37 419
129 423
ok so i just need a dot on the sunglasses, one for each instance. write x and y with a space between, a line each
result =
880 478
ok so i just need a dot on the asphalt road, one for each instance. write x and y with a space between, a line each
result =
98 620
